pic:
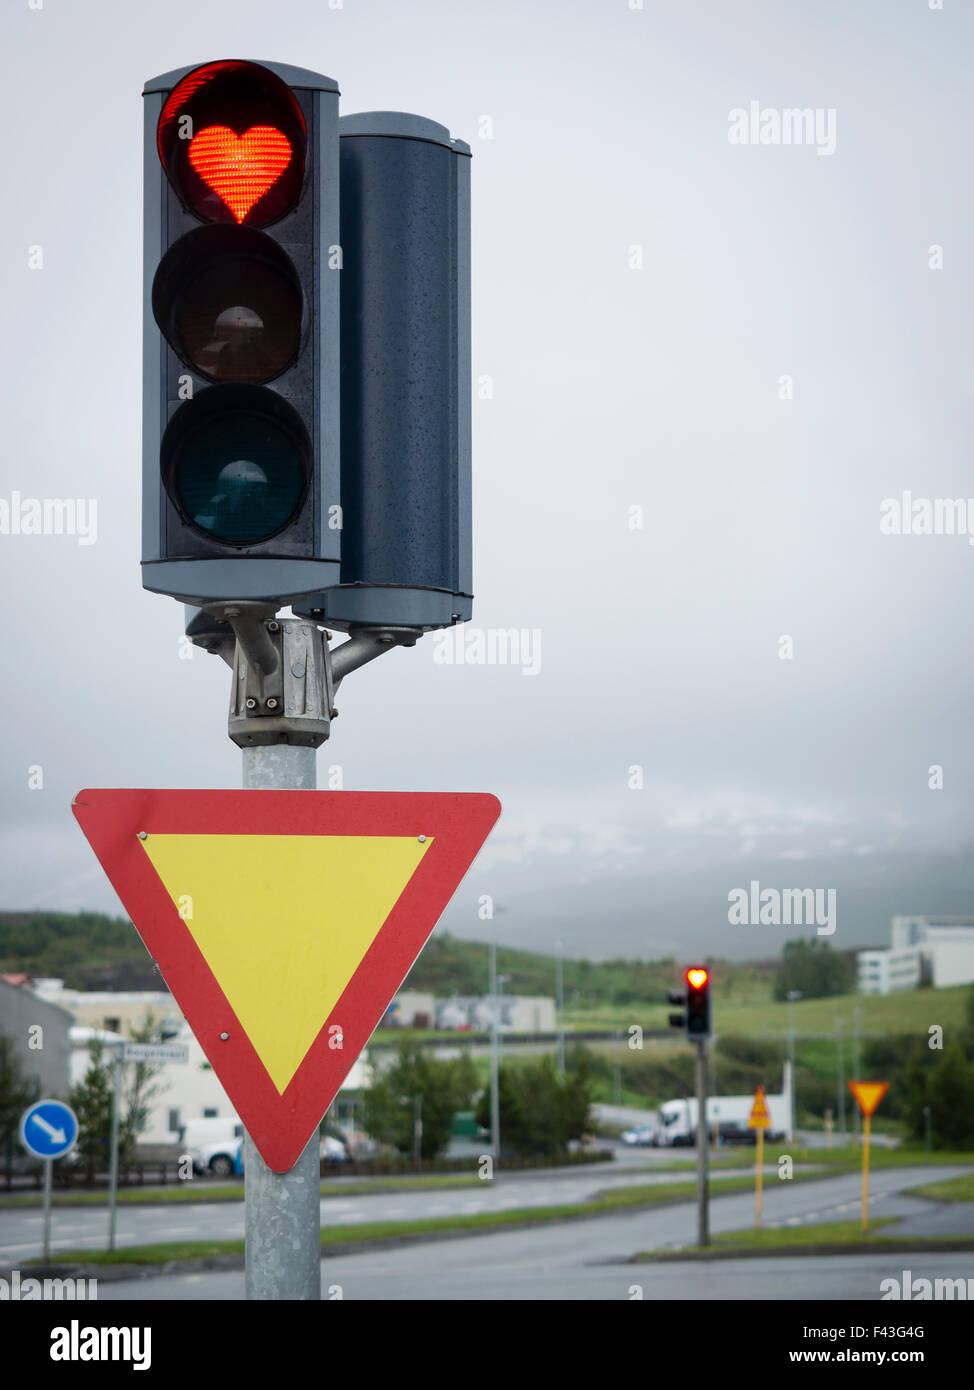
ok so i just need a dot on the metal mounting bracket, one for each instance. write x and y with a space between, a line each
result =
285 675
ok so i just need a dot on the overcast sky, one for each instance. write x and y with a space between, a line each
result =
643 284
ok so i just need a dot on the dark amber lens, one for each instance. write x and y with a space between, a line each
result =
239 320
229 301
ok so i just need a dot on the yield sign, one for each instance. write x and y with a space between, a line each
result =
760 1116
284 922
868 1094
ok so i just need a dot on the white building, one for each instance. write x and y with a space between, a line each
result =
410 1009
882 972
939 949
515 1013
931 931
186 1090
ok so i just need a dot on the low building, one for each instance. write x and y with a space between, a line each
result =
192 1090
115 1011
934 950
883 972
39 1033
931 931
951 963
411 1009
515 1013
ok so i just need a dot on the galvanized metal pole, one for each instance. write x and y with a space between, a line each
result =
113 1157
282 1211
48 1167
703 1191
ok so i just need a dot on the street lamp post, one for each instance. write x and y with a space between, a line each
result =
791 996
418 1131
560 995
495 1109
840 1061
856 1017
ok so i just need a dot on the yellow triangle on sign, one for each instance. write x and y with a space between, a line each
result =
868 1094
760 1116
283 922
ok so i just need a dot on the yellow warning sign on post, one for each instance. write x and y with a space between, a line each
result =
759 1119
760 1116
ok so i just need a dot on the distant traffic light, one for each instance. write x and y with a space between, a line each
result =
698 1002
695 1000
405 396
241 486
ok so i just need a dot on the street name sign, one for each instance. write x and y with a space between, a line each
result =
155 1052
760 1116
284 922
48 1128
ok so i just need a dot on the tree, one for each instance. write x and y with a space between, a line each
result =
946 1087
540 1112
91 1100
16 1093
815 969
418 1086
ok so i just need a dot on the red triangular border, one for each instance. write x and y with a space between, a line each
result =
281 1125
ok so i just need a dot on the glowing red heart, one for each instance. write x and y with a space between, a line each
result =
239 168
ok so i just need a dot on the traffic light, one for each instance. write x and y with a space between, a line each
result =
241 485
698 1002
695 999
405 394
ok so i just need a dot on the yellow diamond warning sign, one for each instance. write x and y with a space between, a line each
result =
760 1116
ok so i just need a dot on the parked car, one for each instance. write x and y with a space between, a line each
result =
643 1136
333 1150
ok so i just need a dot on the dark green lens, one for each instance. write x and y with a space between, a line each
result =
239 478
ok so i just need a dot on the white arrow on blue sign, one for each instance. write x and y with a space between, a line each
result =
49 1128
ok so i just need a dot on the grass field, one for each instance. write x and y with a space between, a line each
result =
756 1014
953 1190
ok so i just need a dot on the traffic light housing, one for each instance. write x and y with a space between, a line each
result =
695 1000
241 411
405 394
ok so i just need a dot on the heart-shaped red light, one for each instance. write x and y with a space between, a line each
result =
239 168
697 978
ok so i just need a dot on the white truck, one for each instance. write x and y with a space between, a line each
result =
726 1116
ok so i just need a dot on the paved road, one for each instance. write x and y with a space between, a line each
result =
420 1273
585 1259
85 1228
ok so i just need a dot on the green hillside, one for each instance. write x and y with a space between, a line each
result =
89 950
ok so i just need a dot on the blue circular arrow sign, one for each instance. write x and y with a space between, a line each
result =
49 1128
